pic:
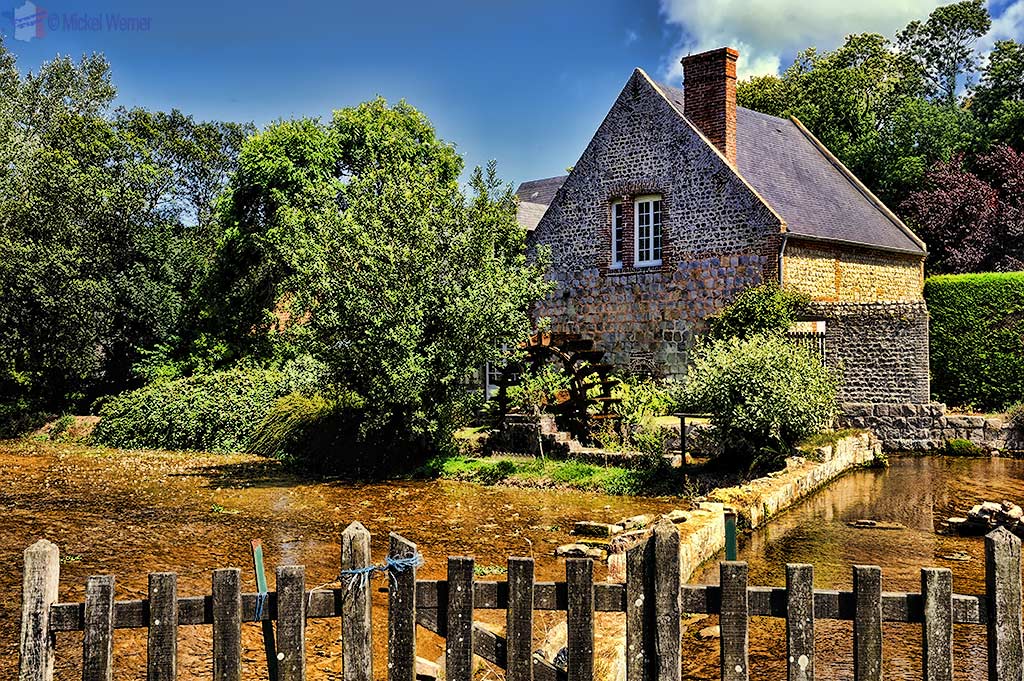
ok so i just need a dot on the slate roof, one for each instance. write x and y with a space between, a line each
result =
814 194
534 198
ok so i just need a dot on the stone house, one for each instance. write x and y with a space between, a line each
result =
682 199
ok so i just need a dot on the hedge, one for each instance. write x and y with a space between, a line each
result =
215 412
977 339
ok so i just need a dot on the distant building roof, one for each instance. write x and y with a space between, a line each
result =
534 198
814 194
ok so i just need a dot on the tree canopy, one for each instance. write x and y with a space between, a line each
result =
898 112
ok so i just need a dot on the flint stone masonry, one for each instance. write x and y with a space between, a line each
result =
880 350
716 236
927 427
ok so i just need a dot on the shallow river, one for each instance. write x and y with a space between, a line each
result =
131 514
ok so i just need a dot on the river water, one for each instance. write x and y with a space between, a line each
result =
128 514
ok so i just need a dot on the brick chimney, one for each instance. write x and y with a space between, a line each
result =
709 82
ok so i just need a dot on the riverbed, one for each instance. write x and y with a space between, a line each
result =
128 514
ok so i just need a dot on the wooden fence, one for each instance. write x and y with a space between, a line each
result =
813 341
652 599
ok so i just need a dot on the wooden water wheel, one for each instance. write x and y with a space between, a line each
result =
586 371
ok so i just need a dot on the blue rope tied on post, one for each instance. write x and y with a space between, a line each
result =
391 566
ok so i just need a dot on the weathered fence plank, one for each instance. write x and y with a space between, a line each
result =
667 612
162 640
733 621
1003 587
98 639
937 632
227 625
356 606
867 624
458 657
401 614
291 623
519 620
800 622
640 619
579 618
38 593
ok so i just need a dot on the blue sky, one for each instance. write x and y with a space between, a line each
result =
526 83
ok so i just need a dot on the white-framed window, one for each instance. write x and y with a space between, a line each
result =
618 232
647 228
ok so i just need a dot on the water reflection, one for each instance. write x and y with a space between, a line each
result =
916 492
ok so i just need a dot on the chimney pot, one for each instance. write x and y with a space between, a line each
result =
709 84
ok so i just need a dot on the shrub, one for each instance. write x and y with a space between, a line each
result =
642 399
764 309
301 427
764 395
1015 414
537 390
213 412
977 323
961 447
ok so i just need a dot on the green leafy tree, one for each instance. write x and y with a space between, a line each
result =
353 241
765 309
943 46
93 262
999 98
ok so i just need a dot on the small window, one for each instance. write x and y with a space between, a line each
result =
618 232
647 210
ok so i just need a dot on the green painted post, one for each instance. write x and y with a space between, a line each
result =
730 535
267 624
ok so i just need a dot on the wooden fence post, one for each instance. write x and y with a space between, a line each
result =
458 647
227 624
38 593
519 620
98 636
1003 588
640 619
734 621
668 662
356 607
291 623
937 632
162 647
800 622
402 614
579 618
867 623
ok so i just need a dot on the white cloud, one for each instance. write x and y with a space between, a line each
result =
767 31
1009 25
631 36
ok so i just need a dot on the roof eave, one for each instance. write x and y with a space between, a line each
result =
859 244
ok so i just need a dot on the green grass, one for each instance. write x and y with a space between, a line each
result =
828 438
529 471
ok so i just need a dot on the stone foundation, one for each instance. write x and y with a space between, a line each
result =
927 427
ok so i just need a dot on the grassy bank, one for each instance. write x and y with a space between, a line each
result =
527 471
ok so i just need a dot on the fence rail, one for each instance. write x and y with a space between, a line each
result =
652 599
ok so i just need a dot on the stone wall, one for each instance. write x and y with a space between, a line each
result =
717 236
832 274
702 531
927 427
880 350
